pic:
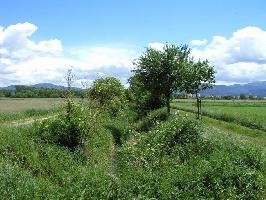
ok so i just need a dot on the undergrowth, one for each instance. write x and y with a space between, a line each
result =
173 161
115 159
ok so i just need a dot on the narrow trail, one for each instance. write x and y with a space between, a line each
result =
28 121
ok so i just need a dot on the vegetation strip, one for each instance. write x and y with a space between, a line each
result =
217 130
225 117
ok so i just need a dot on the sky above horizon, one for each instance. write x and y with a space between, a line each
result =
40 40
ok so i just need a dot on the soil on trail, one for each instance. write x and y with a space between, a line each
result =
29 121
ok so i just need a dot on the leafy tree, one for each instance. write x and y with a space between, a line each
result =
198 76
160 72
242 96
143 100
109 92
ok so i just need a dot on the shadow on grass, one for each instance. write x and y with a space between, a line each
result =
117 134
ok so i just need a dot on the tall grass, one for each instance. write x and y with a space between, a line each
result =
173 161
50 171
234 116
170 161
7 117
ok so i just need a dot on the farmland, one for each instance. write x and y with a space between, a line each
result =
19 108
9 105
247 113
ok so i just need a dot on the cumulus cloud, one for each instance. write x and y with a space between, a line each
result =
15 44
24 61
198 42
156 45
239 58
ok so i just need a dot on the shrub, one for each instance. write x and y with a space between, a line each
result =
152 119
109 93
69 129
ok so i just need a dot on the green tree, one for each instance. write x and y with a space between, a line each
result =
242 96
160 71
198 76
143 100
109 92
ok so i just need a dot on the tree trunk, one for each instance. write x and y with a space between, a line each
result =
200 108
198 105
168 103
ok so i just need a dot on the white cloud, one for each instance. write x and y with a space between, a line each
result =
240 58
198 42
24 61
157 45
16 45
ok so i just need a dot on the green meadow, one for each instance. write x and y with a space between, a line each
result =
249 113
122 157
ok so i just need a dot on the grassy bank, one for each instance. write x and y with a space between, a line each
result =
159 157
250 114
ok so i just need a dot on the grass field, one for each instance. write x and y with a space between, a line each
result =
19 108
220 130
247 113
213 159
8 105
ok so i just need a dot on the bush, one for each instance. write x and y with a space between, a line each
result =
109 93
69 129
152 119
31 169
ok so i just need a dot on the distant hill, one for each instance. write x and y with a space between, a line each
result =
41 85
255 88
11 87
52 86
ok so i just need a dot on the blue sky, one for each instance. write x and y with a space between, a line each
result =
123 28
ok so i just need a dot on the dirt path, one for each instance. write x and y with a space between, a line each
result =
29 121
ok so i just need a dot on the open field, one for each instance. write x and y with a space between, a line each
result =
17 109
8 105
220 130
247 113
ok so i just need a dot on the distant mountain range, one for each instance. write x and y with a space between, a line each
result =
40 85
255 88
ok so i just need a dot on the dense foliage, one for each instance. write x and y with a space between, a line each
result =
173 161
68 129
109 93
160 72
30 92
141 100
170 160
